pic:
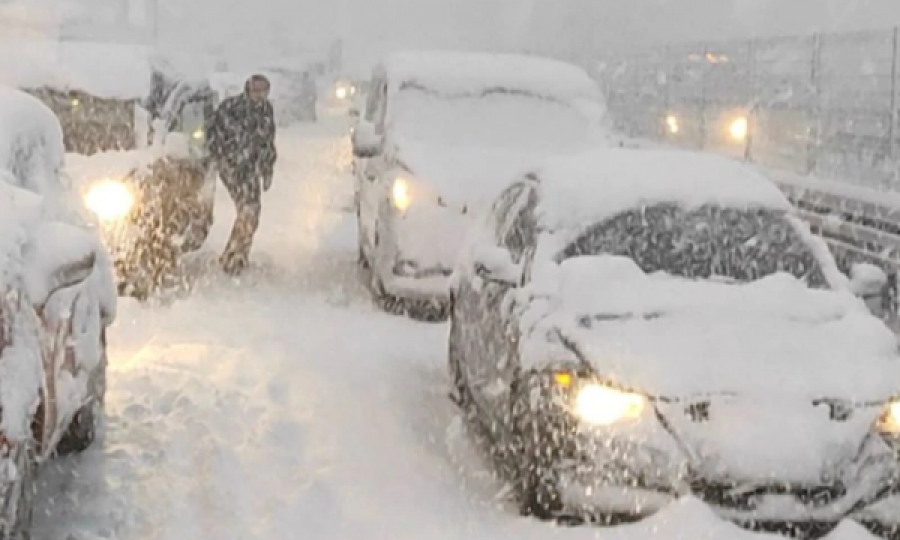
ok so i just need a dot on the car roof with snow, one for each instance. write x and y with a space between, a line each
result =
461 73
105 70
600 184
27 124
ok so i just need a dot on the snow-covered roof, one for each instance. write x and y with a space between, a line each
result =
471 73
590 187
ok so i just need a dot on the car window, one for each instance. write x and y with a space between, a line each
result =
740 244
373 99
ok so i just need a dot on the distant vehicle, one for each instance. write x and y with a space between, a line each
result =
633 326
57 298
158 204
443 132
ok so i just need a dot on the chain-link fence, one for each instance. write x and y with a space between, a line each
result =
825 105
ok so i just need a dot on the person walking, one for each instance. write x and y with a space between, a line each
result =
241 142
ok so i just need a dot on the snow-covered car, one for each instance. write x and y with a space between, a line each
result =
156 203
633 326
57 298
442 133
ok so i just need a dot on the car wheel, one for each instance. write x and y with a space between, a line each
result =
83 430
362 259
538 487
17 511
462 396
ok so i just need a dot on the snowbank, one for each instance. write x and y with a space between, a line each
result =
454 73
596 185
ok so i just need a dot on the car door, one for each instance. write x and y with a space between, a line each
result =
489 335
371 171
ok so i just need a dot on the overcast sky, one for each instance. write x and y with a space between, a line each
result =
372 27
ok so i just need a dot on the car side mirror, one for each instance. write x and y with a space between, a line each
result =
875 288
367 143
495 265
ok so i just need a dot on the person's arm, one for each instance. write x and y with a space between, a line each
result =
268 153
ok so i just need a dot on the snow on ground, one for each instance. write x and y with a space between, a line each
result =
287 407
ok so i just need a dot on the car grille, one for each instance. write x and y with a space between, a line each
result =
742 497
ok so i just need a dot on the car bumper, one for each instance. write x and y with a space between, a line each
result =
640 487
429 285
636 468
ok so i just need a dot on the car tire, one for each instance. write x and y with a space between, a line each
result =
17 499
362 259
463 397
537 486
85 426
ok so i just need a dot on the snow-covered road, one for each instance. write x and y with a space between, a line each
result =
287 407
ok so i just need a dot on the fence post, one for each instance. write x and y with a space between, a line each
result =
812 145
704 69
892 127
753 113
667 95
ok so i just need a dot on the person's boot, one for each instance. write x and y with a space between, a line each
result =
234 264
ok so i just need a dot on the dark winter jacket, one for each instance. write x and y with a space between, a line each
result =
242 134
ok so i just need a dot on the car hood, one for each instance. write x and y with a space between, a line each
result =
464 176
770 339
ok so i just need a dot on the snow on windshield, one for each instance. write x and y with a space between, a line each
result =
742 244
495 119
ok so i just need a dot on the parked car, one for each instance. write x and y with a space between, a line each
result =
441 133
633 326
57 298
156 203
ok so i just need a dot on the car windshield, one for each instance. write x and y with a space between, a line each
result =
708 242
496 119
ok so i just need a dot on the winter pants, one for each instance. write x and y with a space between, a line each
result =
245 190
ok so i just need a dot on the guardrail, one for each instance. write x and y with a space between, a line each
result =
821 113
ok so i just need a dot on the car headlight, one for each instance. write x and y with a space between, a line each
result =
109 200
889 422
400 193
198 134
599 404
672 124
341 92
739 128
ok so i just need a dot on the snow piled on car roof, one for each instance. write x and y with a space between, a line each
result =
106 70
101 69
29 128
582 190
453 73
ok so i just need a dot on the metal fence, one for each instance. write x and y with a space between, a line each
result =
824 105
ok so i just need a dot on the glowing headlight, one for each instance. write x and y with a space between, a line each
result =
110 200
400 194
603 406
738 128
341 92
672 124
889 423
198 134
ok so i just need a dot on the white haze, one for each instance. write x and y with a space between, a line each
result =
261 29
